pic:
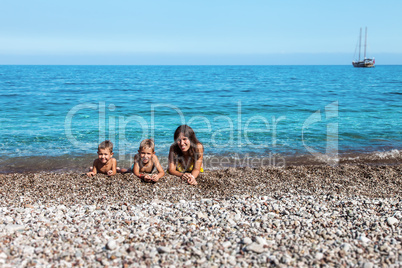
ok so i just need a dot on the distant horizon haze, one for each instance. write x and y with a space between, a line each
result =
196 59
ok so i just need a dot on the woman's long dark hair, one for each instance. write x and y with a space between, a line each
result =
193 151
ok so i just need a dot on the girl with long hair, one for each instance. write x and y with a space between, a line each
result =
185 155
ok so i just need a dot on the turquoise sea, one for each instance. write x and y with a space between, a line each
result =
53 117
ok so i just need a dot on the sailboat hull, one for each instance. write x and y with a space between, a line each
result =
363 64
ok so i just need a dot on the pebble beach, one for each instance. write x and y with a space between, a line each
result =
299 216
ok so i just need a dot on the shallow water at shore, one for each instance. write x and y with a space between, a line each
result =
78 164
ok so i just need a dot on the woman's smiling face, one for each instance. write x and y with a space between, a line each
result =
183 142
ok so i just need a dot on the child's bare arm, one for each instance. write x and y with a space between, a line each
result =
112 171
158 166
94 170
136 169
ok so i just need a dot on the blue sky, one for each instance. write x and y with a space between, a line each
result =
197 32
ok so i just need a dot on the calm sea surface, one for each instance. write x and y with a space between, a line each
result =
53 117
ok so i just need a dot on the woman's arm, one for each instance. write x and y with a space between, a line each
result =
198 162
172 163
191 177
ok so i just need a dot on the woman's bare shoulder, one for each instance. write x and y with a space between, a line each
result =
172 148
200 147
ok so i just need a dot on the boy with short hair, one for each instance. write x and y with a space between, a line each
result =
145 163
105 163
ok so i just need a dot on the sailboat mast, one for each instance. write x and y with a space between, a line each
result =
365 44
360 42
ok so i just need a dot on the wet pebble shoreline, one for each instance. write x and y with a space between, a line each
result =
297 216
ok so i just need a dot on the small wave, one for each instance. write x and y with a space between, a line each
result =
395 93
393 154
393 82
76 83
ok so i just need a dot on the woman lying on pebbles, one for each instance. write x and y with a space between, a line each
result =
185 155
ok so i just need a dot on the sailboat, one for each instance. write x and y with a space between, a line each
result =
366 62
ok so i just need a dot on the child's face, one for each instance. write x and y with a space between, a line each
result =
104 155
146 154
183 142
